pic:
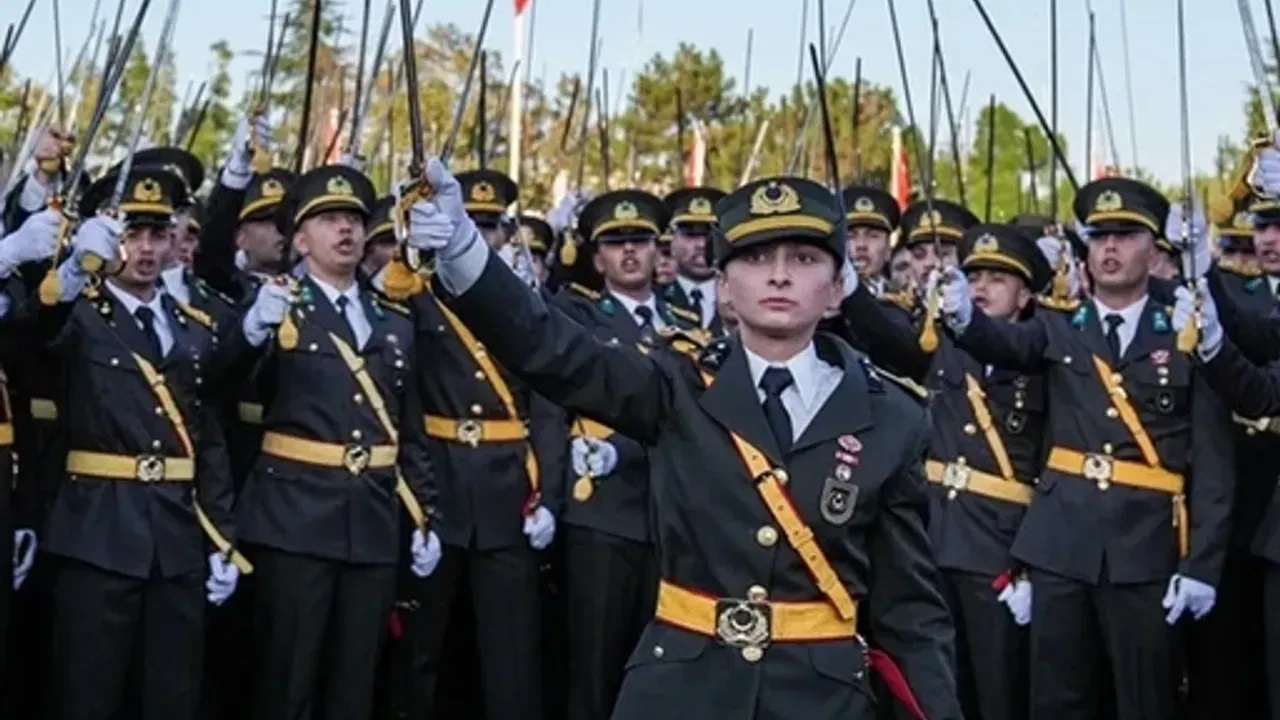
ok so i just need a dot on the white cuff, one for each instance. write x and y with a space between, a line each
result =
458 274
71 279
254 332
34 195
235 178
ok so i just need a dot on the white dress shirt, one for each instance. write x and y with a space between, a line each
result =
1132 316
161 322
1273 282
812 382
175 283
356 318
631 304
708 289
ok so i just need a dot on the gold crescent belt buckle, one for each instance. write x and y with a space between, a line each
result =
470 432
150 469
743 623
355 458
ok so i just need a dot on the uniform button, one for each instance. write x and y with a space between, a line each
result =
476 409
767 535
479 374
658 651
439 328
1117 378
1113 413
970 428
1066 359
1163 381
115 362
1108 448
399 363
962 460
757 593
1018 404
159 410
199 381
356 435
781 476
357 398
1162 370
1103 485
313 347
752 653
155 444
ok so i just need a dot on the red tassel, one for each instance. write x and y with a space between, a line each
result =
893 678
1002 581
532 503
395 624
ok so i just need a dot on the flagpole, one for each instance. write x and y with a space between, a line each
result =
516 104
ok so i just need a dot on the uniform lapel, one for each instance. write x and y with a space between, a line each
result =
127 326
322 311
733 402
1091 331
375 315
179 329
848 410
1150 335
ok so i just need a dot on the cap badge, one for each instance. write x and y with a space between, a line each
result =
864 205
483 192
774 198
148 191
338 185
625 210
986 244
700 206
271 188
931 220
1108 201
1242 221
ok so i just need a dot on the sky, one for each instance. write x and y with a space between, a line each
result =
634 30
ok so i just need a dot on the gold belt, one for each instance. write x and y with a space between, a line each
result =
474 432
6 433
141 468
957 477
355 458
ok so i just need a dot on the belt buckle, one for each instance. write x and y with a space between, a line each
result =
355 458
1099 468
955 477
744 624
470 432
149 468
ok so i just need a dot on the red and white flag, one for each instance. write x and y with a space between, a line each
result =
900 180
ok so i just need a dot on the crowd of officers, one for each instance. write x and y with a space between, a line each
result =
256 478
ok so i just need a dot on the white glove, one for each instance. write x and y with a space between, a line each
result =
849 276
1053 248
596 458
1195 247
1186 593
540 528
351 160
237 171
565 213
956 304
267 312
1211 334
517 259
441 224
32 242
99 236
223 577
1266 170
1017 597
425 549
24 555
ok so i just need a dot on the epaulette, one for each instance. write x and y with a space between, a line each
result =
1239 267
198 315
1060 304
584 291
876 377
206 289
683 314
902 299
392 305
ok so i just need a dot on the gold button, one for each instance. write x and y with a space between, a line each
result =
1108 448
1113 413
658 651
970 428
357 398
757 593
1103 485
767 535
781 476
1117 378
155 444
479 374
752 653
356 435
159 410
476 409
952 494
962 460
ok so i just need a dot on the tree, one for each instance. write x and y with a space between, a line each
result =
219 121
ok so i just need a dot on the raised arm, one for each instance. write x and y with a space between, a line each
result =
889 337
1012 346
1257 336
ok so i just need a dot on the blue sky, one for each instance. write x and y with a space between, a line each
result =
1218 64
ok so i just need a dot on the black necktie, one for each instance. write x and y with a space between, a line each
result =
1114 321
773 382
695 296
147 321
645 315
342 302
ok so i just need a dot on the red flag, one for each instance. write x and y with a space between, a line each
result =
900 182
522 5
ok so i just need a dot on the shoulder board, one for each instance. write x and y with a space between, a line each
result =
876 375
393 306
584 291
901 299
683 314
1059 304
199 316
1238 267
211 290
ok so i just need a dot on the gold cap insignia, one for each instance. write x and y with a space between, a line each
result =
271 188
864 205
700 206
930 220
1108 201
148 191
986 244
625 210
338 185
1242 221
774 198
483 192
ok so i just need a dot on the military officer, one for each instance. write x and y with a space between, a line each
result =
342 445
1127 528
538 236
610 563
923 223
146 495
791 490
692 217
499 450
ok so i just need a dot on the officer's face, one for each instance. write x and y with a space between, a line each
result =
689 248
781 289
925 258
1120 261
1001 295
332 240
1266 247
868 248
626 263
900 270
664 266
1165 266
146 248
262 242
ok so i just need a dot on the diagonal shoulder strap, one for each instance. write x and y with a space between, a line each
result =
1129 416
981 413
